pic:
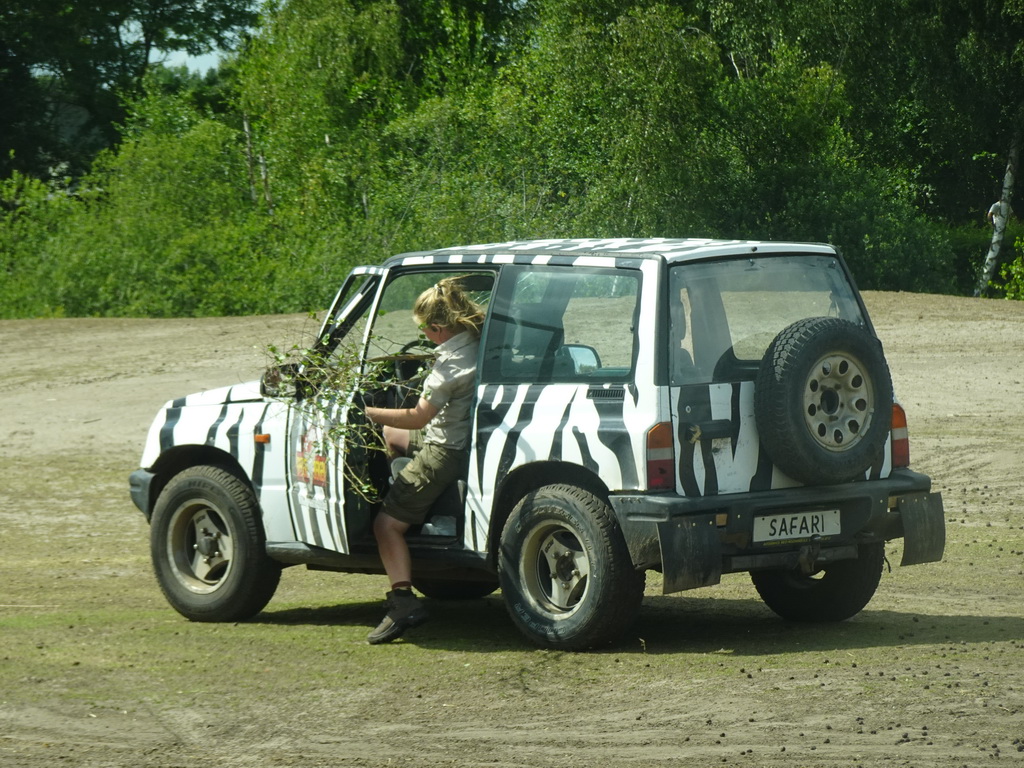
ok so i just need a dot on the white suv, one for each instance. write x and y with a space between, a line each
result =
692 407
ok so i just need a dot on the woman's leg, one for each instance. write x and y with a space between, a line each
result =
397 442
394 551
404 609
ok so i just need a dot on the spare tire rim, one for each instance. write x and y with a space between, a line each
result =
839 402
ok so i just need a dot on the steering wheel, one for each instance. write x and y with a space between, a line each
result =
398 376
421 343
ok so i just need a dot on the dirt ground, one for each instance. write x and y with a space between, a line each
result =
96 670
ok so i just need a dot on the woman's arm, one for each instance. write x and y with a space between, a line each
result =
403 418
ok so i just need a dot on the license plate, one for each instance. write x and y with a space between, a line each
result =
797 525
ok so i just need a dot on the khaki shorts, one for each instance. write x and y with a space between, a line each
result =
432 469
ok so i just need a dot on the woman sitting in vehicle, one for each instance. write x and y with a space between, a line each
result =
434 434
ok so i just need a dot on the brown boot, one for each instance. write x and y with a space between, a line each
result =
404 611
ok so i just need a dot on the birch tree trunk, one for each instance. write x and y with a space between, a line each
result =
991 267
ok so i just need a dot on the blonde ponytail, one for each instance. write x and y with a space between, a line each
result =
447 305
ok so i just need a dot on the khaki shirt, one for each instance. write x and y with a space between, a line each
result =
449 388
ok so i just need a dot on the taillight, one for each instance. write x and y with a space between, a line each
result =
900 437
661 458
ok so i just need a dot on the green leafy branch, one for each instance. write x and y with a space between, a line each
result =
331 387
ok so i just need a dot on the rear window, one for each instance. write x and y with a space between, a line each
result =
724 314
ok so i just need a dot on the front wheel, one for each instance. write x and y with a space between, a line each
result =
208 547
834 593
565 571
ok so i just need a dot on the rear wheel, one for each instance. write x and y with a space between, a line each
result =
565 571
834 593
208 547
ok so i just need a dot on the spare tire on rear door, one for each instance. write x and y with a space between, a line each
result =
823 400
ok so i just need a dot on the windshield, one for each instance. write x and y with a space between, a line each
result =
724 314
349 309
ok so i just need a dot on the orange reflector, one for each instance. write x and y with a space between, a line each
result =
661 457
262 439
900 437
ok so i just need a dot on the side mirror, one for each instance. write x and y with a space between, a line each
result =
280 381
582 357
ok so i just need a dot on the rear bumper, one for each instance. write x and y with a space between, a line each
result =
693 541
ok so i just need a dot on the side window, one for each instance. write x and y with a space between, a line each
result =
394 329
551 325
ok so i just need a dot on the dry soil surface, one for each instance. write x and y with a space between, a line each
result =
96 670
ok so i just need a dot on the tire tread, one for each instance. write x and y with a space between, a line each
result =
257 575
621 585
778 407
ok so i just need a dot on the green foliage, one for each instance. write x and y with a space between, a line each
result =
1013 275
1011 286
347 130
31 213
164 227
626 150
969 244
335 377
63 66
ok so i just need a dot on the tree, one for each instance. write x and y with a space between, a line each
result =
359 128
66 65
999 219
991 48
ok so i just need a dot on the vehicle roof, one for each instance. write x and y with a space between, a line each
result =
669 249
